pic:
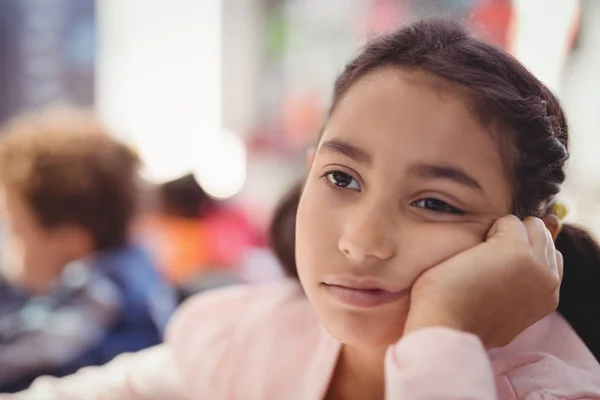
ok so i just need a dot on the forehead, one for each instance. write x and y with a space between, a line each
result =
402 117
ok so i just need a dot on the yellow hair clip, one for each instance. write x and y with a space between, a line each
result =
560 210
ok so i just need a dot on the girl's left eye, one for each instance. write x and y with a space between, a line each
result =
437 205
342 180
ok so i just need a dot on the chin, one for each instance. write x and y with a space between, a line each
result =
364 328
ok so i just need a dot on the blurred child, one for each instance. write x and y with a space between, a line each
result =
81 292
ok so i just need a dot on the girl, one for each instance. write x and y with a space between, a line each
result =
405 250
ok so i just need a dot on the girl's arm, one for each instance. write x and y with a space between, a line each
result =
146 375
443 363
439 363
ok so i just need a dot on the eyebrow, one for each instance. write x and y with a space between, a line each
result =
427 171
452 173
337 146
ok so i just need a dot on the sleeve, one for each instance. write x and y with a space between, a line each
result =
146 375
39 338
208 357
205 350
550 396
224 340
439 363
552 378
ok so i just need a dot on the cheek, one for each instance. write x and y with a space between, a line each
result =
316 232
31 253
36 248
425 245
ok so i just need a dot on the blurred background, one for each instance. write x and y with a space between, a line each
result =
222 98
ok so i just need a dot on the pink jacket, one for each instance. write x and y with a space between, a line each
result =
265 342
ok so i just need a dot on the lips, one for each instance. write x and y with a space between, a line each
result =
361 284
362 293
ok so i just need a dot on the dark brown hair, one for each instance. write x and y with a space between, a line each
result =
531 127
69 171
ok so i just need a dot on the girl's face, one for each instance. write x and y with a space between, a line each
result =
404 178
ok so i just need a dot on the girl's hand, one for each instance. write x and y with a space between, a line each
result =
496 289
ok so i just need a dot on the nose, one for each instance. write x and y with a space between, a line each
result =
369 234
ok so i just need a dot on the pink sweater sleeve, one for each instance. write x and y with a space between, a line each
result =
439 363
146 375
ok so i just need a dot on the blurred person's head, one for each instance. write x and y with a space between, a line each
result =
68 190
432 136
185 198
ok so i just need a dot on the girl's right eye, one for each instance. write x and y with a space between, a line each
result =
437 205
342 180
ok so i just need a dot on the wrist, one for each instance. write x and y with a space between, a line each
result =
431 318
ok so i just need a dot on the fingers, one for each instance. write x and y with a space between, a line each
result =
551 256
539 236
559 270
532 231
542 243
559 265
510 226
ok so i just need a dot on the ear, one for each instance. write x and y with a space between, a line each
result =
310 157
553 224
